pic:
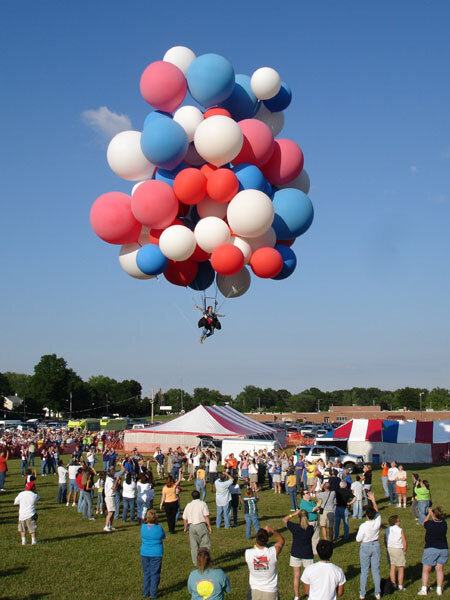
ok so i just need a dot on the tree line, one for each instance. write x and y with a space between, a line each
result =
59 388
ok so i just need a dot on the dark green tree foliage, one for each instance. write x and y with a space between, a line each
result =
49 384
5 386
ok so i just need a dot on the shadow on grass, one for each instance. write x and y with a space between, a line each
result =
80 535
30 597
13 571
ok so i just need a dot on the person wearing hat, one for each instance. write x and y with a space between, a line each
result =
26 501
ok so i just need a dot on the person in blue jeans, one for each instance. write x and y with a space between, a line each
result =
152 536
369 551
344 499
223 499
251 512
43 462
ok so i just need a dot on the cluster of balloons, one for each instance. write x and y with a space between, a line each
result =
216 189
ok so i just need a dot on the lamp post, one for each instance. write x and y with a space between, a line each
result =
421 396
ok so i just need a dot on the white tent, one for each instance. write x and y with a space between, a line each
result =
220 422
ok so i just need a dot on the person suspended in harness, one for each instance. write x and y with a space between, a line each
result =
209 322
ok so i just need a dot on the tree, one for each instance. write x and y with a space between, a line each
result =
409 398
438 399
5 386
19 383
49 383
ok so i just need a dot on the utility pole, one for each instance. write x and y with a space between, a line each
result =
181 400
318 405
421 396
152 401
259 403
70 405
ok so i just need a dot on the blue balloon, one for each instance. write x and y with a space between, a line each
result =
204 278
281 100
164 143
169 176
250 177
242 104
210 79
294 213
155 114
150 260
289 261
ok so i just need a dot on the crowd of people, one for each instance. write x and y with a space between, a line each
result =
322 496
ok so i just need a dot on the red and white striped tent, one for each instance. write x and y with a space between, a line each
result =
220 422
406 441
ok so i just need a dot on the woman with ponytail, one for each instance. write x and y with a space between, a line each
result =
206 582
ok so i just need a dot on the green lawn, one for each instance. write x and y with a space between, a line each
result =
76 560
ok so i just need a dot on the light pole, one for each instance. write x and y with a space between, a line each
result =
420 397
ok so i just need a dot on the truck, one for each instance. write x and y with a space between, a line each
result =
352 462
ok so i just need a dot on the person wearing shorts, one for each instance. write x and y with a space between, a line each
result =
26 501
111 483
400 487
435 553
301 550
396 546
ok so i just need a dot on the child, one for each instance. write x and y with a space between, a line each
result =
100 484
200 482
395 541
236 500
251 512
291 487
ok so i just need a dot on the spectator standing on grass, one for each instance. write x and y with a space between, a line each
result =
159 458
401 487
197 523
31 451
152 550
323 580
344 499
111 483
200 481
423 496
392 481
169 501
100 485
367 481
357 491
253 474
106 459
236 500
206 582
27 512
435 553
62 483
73 486
223 499
145 495
291 488
396 545
4 455
262 564
251 512
213 475
87 481
327 499
369 551
414 503
384 478
301 550
23 460
128 497
311 508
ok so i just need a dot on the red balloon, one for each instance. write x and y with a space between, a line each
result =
285 164
112 220
211 112
181 273
199 255
222 185
155 234
189 186
154 204
258 143
227 259
285 242
208 169
163 85
266 262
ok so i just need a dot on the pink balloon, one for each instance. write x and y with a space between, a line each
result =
112 220
285 164
163 85
154 204
258 143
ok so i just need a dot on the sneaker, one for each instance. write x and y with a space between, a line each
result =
67 504
91 519
106 528
377 596
438 591
33 542
422 592
24 542
74 504
293 510
399 505
2 490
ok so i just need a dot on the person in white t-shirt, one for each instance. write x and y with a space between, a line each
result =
128 497
370 552
396 545
73 487
357 491
392 481
27 512
213 471
262 565
323 580
62 483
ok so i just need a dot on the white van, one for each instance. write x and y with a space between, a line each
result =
236 446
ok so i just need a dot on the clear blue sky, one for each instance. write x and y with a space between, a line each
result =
369 302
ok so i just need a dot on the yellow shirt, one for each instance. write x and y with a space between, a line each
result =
171 493
291 481
201 474
311 471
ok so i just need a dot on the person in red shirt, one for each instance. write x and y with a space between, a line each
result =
4 455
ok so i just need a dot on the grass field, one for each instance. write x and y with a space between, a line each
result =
76 560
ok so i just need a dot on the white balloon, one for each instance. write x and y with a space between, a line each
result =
210 208
233 286
301 183
211 232
274 120
193 158
144 236
218 140
177 242
265 83
127 260
243 245
126 158
189 117
180 56
250 213
266 240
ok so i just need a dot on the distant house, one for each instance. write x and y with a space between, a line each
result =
11 402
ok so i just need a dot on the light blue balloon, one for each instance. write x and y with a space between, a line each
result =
294 213
250 177
281 100
289 261
204 278
210 79
242 104
164 143
169 176
155 114
150 260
